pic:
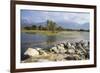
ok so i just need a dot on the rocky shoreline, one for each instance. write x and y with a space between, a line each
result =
60 52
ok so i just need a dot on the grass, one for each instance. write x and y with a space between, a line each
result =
50 33
40 32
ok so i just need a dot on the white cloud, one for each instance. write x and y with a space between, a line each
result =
79 18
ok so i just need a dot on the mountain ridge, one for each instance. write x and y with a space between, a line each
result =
67 24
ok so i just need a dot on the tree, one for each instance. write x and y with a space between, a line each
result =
34 27
27 28
48 25
51 26
40 27
59 28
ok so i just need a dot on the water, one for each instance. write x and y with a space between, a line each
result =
46 41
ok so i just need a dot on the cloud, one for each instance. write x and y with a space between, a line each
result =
76 17
79 18
39 16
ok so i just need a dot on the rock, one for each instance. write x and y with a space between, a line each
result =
61 49
68 45
54 50
71 51
31 52
60 57
41 52
80 52
70 57
62 44
43 60
38 49
60 52
83 49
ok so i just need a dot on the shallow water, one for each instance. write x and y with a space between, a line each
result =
46 41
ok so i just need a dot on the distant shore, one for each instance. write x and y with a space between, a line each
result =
45 32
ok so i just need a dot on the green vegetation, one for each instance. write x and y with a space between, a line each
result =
40 32
50 28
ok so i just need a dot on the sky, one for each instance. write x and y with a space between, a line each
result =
36 16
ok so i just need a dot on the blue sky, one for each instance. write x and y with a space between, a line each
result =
34 16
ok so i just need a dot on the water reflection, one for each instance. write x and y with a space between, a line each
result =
50 40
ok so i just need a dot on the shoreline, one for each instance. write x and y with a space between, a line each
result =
63 53
45 32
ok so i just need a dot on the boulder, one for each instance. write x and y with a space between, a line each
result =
61 49
41 51
31 52
71 51
54 49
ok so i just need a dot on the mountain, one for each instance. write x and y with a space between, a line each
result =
85 26
25 23
64 24
73 25
69 25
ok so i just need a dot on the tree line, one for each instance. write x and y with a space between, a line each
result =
51 26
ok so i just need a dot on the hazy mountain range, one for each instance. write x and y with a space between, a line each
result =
67 24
